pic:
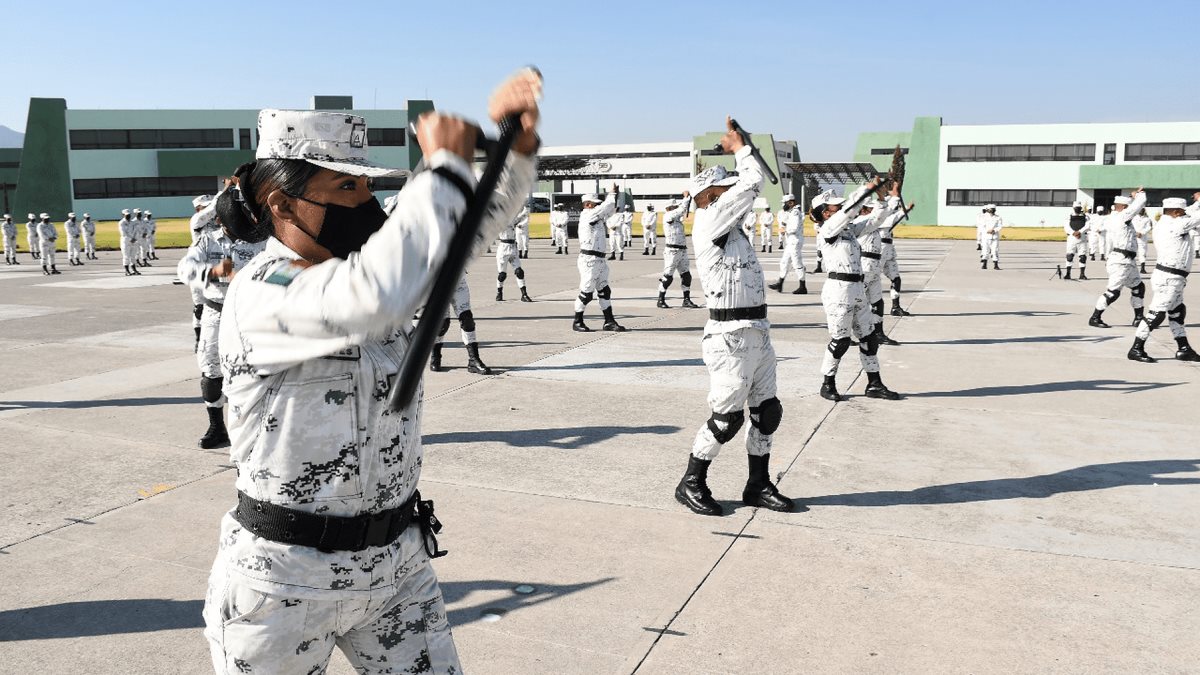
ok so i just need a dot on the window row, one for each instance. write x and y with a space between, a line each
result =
1142 152
1010 197
129 139
386 137
1052 152
114 188
888 151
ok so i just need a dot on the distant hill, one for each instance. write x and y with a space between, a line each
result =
10 138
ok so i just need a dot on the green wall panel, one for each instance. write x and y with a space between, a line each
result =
201 162
921 170
44 183
1125 176
416 108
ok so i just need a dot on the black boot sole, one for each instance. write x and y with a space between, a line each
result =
780 503
580 328
701 509
212 444
883 394
832 396
1095 323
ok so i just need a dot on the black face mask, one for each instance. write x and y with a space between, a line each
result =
345 229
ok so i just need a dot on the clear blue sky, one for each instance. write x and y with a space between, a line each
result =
624 71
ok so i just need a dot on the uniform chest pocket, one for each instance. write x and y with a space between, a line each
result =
308 449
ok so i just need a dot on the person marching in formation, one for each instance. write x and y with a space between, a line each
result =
791 223
507 254
558 228
31 235
73 232
1077 228
312 332
10 240
979 228
461 306
209 266
151 236
676 259
203 221
127 229
143 234
89 237
1142 226
988 229
1175 249
1121 265
890 268
47 238
649 231
616 240
765 220
843 294
627 226
593 268
870 244
737 337
521 232
1097 236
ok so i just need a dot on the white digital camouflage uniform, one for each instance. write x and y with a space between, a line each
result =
143 230
558 228
593 268
890 267
127 230
1082 224
89 236
870 243
508 252
72 229
649 231
151 235
460 304
1121 264
522 232
308 354
738 353
201 222
846 309
989 228
1175 249
31 235
791 223
616 240
675 253
765 220
47 242
10 239
1143 225
627 226
1098 238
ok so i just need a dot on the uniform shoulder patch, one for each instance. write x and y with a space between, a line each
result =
284 273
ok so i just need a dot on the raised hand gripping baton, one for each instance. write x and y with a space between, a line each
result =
446 281
753 151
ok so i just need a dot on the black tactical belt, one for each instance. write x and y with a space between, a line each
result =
738 313
335 533
886 241
214 305
588 251
508 241
677 247
872 256
1128 254
838 276
1171 270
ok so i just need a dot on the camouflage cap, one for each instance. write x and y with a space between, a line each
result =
1174 203
331 140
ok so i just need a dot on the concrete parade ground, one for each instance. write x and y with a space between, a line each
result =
1032 505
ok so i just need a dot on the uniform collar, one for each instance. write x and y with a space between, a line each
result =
277 249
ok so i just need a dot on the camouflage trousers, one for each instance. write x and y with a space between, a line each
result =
847 313
741 372
387 630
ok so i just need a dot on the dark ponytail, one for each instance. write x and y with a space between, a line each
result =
239 208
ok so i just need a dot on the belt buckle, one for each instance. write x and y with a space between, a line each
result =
376 531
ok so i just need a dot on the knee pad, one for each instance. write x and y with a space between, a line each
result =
445 326
210 388
869 345
686 278
501 276
466 321
1111 295
585 298
838 347
766 415
896 284
1070 257
197 311
1155 319
519 273
666 280
733 423
604 293
1138 291
1178 314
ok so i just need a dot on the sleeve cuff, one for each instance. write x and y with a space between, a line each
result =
743 153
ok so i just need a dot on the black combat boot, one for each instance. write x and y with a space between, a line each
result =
995 264
760 491
829 390
499 294
1138 352
1067 276
819 270
134 269
654 250
622 255
45 271
662 301
216 436
764 248
777 286
645 251
127 272
579 326
983 264
610 323
1139 315
525 295
54 269
612 256
978 247
435 358
474 363
877 389
693 490
1143 268
1102 257
687 301
1083 274
802 289
883 338
196 346
897 310
1093 257
1096 321
1185 352
558 251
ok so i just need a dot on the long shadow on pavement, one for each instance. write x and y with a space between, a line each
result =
99 617
521 594
101 403
1021 313
1079 479
1049 387
1018 340
571 438
616 364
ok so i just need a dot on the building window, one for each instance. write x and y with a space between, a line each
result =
1058 152
1110 154
114 188
244 139
388 183
10 165
386 137
137 139
888 151
1010 197
1162 152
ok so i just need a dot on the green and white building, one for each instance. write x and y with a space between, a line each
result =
1034 172
102 161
